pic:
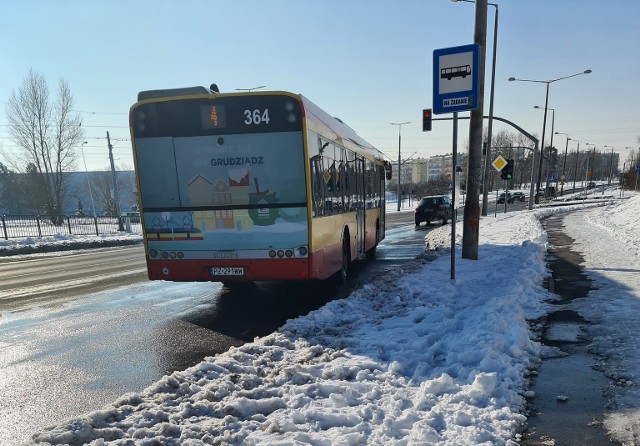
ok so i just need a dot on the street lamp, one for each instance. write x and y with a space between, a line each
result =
546 180
399 124
250 89
487 157
544 122
564 163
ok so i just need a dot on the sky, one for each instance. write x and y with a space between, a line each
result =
368 62
349 373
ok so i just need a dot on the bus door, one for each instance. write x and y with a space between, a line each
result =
360 213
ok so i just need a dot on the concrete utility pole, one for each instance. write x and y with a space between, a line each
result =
471 224
114 184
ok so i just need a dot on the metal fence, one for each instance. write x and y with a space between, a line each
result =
15 226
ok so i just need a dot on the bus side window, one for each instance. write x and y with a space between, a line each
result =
316 176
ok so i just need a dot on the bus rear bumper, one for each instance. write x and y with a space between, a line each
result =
228 271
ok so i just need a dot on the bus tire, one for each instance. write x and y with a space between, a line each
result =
371 254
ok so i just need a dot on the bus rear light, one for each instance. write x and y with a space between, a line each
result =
172 255
272 254
181 255
153 253
280 253
302 251
165 255
288 253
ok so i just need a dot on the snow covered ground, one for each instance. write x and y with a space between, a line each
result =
408 359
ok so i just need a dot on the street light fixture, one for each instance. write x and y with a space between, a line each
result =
544 122
250 89
399 124
487 157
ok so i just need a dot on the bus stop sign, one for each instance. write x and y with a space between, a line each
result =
455 79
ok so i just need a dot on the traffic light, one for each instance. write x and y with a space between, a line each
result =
507 171
426 120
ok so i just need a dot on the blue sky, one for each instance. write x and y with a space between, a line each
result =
367 62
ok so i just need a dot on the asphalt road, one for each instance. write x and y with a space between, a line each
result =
39 279
79 329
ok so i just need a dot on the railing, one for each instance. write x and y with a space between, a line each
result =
15 226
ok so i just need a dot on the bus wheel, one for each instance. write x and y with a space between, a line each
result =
371 254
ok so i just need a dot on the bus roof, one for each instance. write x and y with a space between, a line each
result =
320 121
334 129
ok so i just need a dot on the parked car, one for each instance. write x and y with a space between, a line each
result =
433 207
508 196
520 196
591 185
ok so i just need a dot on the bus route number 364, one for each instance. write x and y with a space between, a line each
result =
256 117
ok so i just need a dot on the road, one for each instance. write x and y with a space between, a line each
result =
80 329
31 280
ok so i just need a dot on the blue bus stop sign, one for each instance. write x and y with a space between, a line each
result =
455 79
637 168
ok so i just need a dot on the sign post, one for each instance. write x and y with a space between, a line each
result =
455 88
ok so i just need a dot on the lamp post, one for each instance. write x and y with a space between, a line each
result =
487 157
553 123
544 122
575 174
399 124
564 163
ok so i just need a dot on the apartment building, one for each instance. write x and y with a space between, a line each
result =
421 170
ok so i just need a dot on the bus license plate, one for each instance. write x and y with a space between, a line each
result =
227 271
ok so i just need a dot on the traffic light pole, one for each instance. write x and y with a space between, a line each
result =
525 133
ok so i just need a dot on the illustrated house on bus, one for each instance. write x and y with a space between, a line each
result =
200 191
222 196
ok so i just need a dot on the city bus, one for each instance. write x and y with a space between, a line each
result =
252 186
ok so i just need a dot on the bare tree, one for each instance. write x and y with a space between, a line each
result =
46 134
102 186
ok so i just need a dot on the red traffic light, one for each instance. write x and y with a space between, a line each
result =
426 119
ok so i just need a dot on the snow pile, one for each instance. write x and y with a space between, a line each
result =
65 242
416 359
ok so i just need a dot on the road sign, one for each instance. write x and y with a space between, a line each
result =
455 79
499 163
637 168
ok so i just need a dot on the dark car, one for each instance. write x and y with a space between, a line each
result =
520 196
502 197
433 207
